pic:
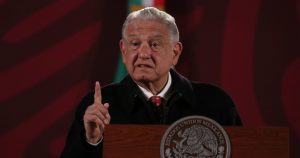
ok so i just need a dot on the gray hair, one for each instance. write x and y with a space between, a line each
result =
151 13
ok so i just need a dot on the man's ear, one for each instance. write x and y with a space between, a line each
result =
123 49
177 49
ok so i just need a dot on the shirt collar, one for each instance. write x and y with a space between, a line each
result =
162 94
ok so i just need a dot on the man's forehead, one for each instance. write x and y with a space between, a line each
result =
142 32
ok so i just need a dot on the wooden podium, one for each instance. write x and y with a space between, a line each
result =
143 141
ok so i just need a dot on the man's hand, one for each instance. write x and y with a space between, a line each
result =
96 117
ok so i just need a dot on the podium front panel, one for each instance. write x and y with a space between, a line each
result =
143 141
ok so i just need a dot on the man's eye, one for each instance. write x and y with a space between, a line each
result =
154 45
134 44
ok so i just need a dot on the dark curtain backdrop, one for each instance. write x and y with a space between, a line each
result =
53 51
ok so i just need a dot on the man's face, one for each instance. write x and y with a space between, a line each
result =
148 51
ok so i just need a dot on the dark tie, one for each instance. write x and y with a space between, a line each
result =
158 108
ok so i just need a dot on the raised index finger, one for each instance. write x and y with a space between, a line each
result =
97 94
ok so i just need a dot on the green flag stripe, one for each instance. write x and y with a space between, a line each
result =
121 70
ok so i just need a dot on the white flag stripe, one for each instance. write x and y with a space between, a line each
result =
148 3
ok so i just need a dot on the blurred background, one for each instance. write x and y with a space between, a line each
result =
53 51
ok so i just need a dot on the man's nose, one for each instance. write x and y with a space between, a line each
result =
144 51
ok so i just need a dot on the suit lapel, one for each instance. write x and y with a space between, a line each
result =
133 98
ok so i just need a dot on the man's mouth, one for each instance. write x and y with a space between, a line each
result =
143 66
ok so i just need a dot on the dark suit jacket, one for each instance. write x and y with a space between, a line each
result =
128 105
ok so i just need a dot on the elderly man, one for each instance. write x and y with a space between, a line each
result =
152 93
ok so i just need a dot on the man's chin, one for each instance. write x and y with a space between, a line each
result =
142 78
